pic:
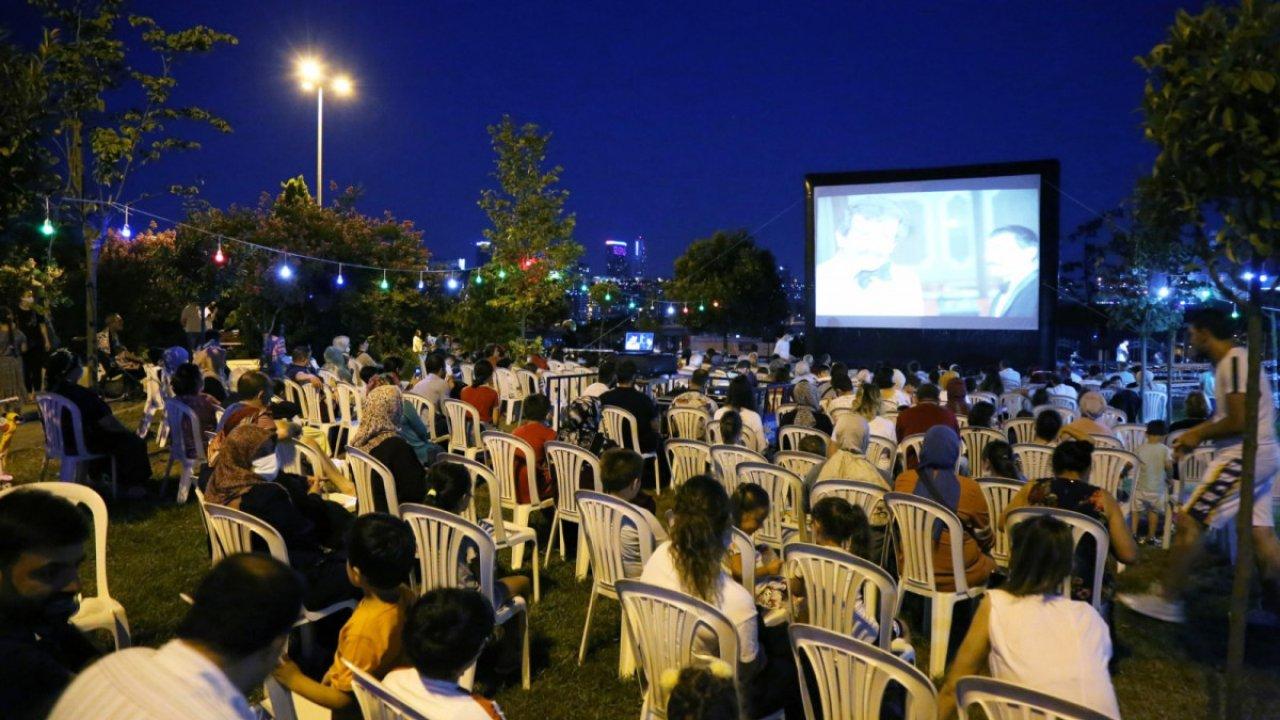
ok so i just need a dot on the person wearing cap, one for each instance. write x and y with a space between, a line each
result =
1092 405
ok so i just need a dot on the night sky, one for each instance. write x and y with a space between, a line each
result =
671 120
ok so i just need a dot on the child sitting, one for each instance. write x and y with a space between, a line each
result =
620 471
380 555
451 491
750 504
534 430
1150 490
446 631
813 445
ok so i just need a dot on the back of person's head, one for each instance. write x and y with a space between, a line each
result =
883 377
301 352
928 391
981 414
699 378
33 519
843 524
449 485
1048 425
1073 456
381 547
699 528
730 427
481 372
700 694
245 603
393 364
446 630
842 382
1197 406
368 372
813 444
802 368
608 371
1042 553
535 408
434 364
1213 321
60 366
253 384
187 380
619 468
748 498
1157 428
1040 397
999 456
626 372
740 394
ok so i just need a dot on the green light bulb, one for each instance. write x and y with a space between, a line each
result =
502 274
47 228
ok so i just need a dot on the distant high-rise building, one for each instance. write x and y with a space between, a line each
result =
616 262
639 257
484 252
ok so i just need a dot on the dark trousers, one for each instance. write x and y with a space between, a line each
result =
129 451
33 369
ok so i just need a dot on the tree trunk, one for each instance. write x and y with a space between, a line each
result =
1244 535
1168 383
75 173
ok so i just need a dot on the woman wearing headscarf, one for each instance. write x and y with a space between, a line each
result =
807 414
956 392
335 361
847 460
1091 406
935 479
379 435
412 427
246 476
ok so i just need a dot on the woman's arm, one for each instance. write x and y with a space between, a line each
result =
1123 546
969 659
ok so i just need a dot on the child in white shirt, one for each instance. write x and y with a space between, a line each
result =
1150 491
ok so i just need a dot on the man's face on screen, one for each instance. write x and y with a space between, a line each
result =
1006 259
870 239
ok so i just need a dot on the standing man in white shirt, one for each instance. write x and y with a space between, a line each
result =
1216 502
229 641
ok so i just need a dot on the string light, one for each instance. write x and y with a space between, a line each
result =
340 281
686 309
47 228
125 232
384 285
631 305
671 310
422 285
715 303
502 274
608 297
284 272
451 283
218 257
701 307
479 279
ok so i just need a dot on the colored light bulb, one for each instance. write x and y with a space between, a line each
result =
47 228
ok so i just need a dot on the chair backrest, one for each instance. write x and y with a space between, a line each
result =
1192 466
834 582
602 519
78 494
347 404
567 461
364 470
443 540
852 676
299 458
528 382
998 492
53 408
1037 460
186 441
1132 435
741 544
1004 700
725 460
1012 403
377 702
688 423
1064 401
786 501
975 440
747 437
502 448
914 517
1112 417
464 424
981 396
910 447
1081 525
789 437
479 474
798 462
687 458
621 427
1106 442
883 453
665 626
425 409
468 372
1154 404
865 495
1109 467
329 377
1020 430
233 531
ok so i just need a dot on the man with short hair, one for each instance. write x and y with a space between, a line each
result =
627 397
231 638
842 387
927 412
620 472
299 368
435 386
695 396
41 549
1013 264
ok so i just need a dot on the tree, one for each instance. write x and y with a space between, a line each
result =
25 163
531 236
119 104
1210 107
730 285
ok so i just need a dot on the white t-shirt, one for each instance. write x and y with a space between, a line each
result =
734 601
1064 389
439 698
883 427
750 419
1053 645
595 389
840 401
1230 377
1011 379
629 537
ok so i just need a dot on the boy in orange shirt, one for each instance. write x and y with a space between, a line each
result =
534 431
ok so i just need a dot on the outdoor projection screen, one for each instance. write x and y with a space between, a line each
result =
927 253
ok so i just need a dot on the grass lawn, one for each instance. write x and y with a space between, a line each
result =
1165 671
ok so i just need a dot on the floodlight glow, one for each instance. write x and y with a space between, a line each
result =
342 85
284 272
310 71
1163 292
451 283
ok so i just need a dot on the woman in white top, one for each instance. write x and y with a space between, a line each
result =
868 406
743 399
1030 634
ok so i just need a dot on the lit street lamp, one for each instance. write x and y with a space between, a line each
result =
312 76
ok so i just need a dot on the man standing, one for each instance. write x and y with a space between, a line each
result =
1216 502
1013 262
32 323
41 549
192 325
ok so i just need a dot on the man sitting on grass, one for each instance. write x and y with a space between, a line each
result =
620 471
380 555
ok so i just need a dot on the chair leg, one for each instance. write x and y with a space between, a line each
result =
525 669
521 518
626 656
657 475
121 631
555 525
941 608
586 627
185 482
583 557
537 575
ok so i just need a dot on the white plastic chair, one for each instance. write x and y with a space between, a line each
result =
834 580
1081 525
747 437
468 372
567 462
298 458
1133 435
1020 430
426 412
998 492
688 423
443 539
529 382
914 518
852 677
1012 403
1037 460
1105 442
800 463
665 626
1064 401
502 449
186 445
786 514
464 428
612 421
981 396
962 421
1191 470
364 470
687 458
100 612
883 453
1108 468
975 442
602 521
1154 404
740 544
1112 417
865 495
790 436
154 405
377 702
1004 700
347 406
510 395
910 446
73 464
725 460
293 393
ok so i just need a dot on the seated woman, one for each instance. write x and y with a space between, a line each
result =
846 456
480 395
335 361
869 406
1091 406
378 434
742 399
1069 489
246 477
1048 427
412 428
731 429
1027 633
807 413
935 479
103 433
998 461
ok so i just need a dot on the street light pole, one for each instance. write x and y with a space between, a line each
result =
320 145
311 73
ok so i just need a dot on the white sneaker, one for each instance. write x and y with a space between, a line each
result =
1154 606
